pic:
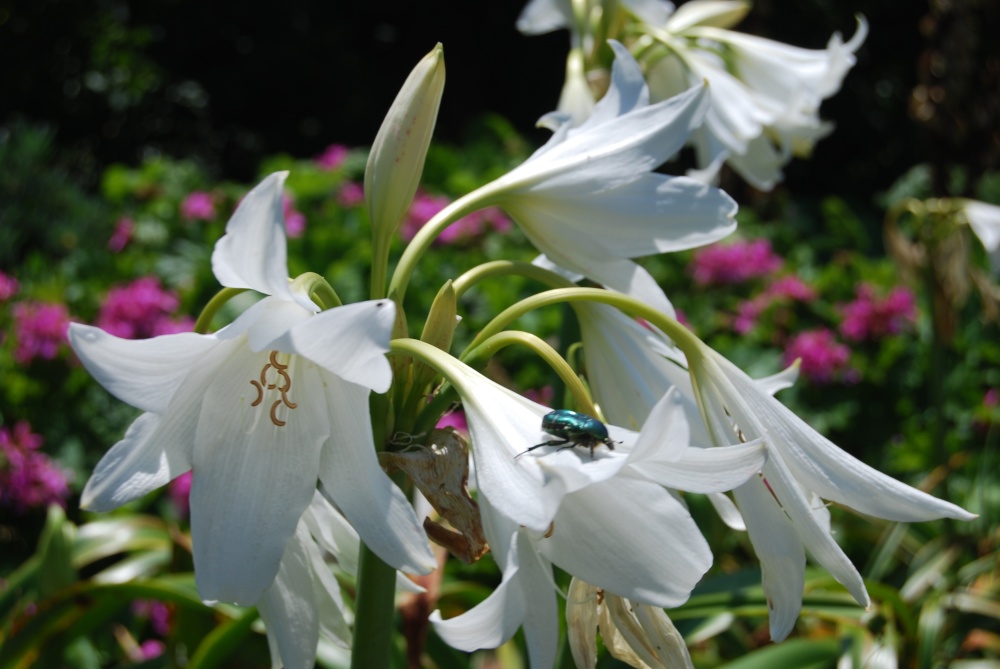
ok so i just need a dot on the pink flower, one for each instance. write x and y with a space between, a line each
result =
141 309
734 263
41 330
785 289
333 157
179 491
122 234
156 612
425 207
455 419
28 478
868 317
198 206
824 359
8 287
351 194
151 649
295 221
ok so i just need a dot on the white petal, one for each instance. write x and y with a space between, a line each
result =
543 16
252 252
665 434
721 13
627 92
630 537
349 341
727 511
333 533
351 475
288 608
782 558
760 164
252 477
581 623
707 470
136 465
827 470
653 12
144 373
541 617
786 378
651 214
490 623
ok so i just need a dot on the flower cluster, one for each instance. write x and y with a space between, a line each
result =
40 330
823 358
467 228
141 309
284 418
722 264
783 290
869 317
28 478
8 287
198 206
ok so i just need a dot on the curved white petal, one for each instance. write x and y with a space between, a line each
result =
541 617
144 373
665 434
289 608
707 470
651 214
136 465
628 90
252 253
543 16
722 13
653 12
350 341
631 537
727 511
351 476
333 533
782 558
253 477
487 625
526 487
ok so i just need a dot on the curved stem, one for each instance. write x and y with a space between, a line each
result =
493 344
506 268
213 306
316 286
422 241
681 336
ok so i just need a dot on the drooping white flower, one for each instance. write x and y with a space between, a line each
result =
260 411
984 219
589 199
783 508
766 95
627 534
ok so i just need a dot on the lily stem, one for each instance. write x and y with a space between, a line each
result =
373 628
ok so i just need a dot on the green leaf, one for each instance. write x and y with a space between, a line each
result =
798 653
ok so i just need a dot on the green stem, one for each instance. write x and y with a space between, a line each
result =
422 241
213 306
380 265
498 341
375 604
506 268
681 336
316 287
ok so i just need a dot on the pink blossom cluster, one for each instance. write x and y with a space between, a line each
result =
332 157
180 493
141 309
198 206
28 478
122 234
869 317
8 287
823 358
783 290
40 328
721 264
426 206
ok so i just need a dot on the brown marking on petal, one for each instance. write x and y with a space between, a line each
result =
260 394
552 528
274 418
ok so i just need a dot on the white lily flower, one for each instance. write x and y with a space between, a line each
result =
765 94
626 534
984 219
782 508
260 410
589 199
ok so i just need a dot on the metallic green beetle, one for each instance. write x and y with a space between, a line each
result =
573 429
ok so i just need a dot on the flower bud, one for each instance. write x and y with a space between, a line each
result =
397 157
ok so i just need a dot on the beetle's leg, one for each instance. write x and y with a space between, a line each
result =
546 443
